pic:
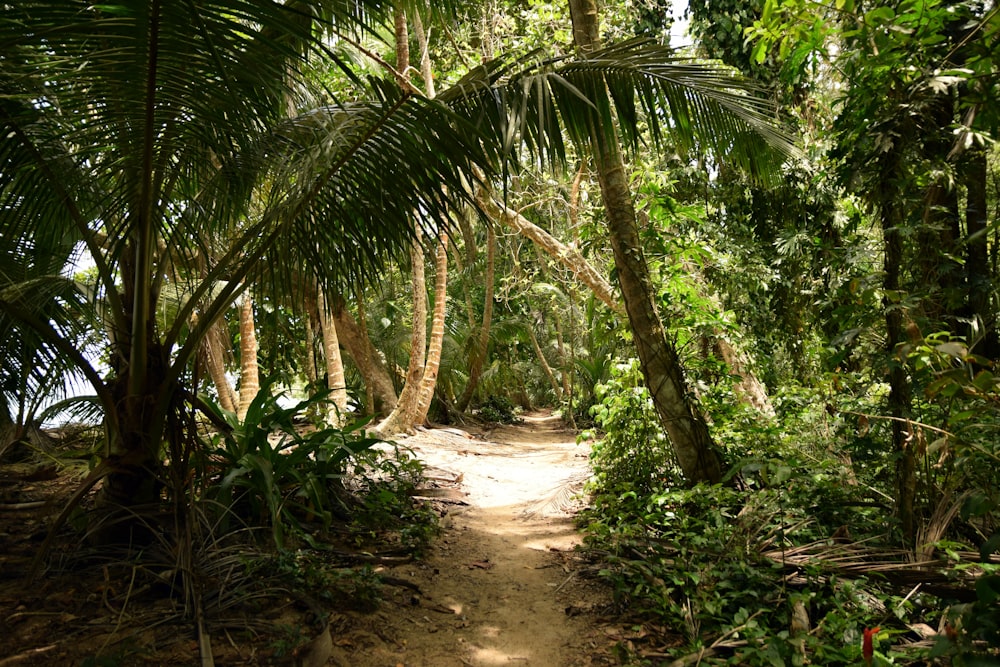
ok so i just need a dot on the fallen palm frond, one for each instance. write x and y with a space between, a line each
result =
563 498
857 559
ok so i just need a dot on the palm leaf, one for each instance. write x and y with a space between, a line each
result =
625 88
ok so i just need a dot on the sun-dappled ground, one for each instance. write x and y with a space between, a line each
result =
500 584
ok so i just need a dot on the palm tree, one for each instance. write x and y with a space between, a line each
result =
143 130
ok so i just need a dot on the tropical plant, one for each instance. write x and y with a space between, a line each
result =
269 472
148 133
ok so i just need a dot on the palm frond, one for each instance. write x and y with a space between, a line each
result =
637 88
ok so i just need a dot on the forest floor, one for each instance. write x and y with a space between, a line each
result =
500 584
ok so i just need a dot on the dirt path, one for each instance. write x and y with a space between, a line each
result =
500 585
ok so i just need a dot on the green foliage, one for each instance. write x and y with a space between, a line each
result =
707 562
271 472
312 572
498 410
691 559
634 455
384 483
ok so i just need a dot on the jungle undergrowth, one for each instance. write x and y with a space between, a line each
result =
711 562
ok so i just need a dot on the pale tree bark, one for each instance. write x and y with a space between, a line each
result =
335 380
422 372
425 56
568 256
213 349
686 427
401 418
373 370
481 344
249 370
436 343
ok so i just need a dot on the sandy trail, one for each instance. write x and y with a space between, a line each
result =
499 585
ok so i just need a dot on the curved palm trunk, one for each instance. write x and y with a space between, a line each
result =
354 337
568 256
402 416
434 346
687 429
215 354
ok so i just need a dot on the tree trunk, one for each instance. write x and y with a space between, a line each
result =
977 268
371 366
363 328
689 435
434 346
214 350
309 360
566 255
401 419
479 352
543 362
900 408
249 369
334 364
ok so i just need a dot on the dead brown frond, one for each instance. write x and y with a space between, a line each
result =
896 566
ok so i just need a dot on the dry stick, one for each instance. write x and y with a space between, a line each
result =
565 581
708 651
13 507
121 614
20 657
911 422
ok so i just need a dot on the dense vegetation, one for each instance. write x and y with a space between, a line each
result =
760 271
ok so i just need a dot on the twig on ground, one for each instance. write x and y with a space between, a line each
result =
21 657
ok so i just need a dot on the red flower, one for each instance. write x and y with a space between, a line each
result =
867 650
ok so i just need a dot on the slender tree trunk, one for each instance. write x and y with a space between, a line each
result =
401 418
471 254
214 351
482 342
977 268
436 343
689 435
309 361
249 369
542 361
363 327
900 408
371 366
335 380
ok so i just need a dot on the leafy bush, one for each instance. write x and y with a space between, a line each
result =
634 454
695 561
498 410
270 472
384 483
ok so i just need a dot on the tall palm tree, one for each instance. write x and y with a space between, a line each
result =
140 128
